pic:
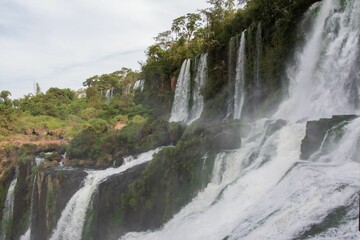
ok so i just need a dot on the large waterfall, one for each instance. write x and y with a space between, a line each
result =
264 190
71 222
198 99
180 109
325 80
239 94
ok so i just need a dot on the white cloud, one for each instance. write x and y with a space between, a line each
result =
59 43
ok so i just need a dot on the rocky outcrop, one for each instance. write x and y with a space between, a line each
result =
316 131
22 200
104 219
53 188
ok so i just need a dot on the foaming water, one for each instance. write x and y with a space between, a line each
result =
239 183
264 191
323 83
71 222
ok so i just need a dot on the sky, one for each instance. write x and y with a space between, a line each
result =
61 43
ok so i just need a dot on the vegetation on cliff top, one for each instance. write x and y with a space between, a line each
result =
92 116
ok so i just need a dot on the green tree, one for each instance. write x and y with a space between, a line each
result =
185 26
37 89
5 95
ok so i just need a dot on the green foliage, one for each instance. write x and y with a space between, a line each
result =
89 113
80 147
55 102
121 119
181 170
99 125
137 119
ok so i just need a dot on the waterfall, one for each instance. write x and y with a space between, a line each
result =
231 67
324 81
264 190
198 99
139 85
8 207
239 94
71 222
109 94
180 109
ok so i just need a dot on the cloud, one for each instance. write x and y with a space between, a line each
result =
60 43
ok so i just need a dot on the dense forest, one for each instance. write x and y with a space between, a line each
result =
126 113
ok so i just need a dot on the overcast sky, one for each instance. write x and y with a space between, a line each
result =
60 43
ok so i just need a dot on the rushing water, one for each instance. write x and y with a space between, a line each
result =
71 222
239 94
264 190
180 109
8 207
198 99
325 80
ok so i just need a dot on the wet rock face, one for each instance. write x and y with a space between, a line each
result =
52 190
104 220
316 131
226 137
21 200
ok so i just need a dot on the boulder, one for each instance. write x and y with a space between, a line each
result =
316 131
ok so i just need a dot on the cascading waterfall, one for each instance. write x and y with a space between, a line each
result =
239 94
263 190
325 81
180 109
8 207
198 99
71 222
